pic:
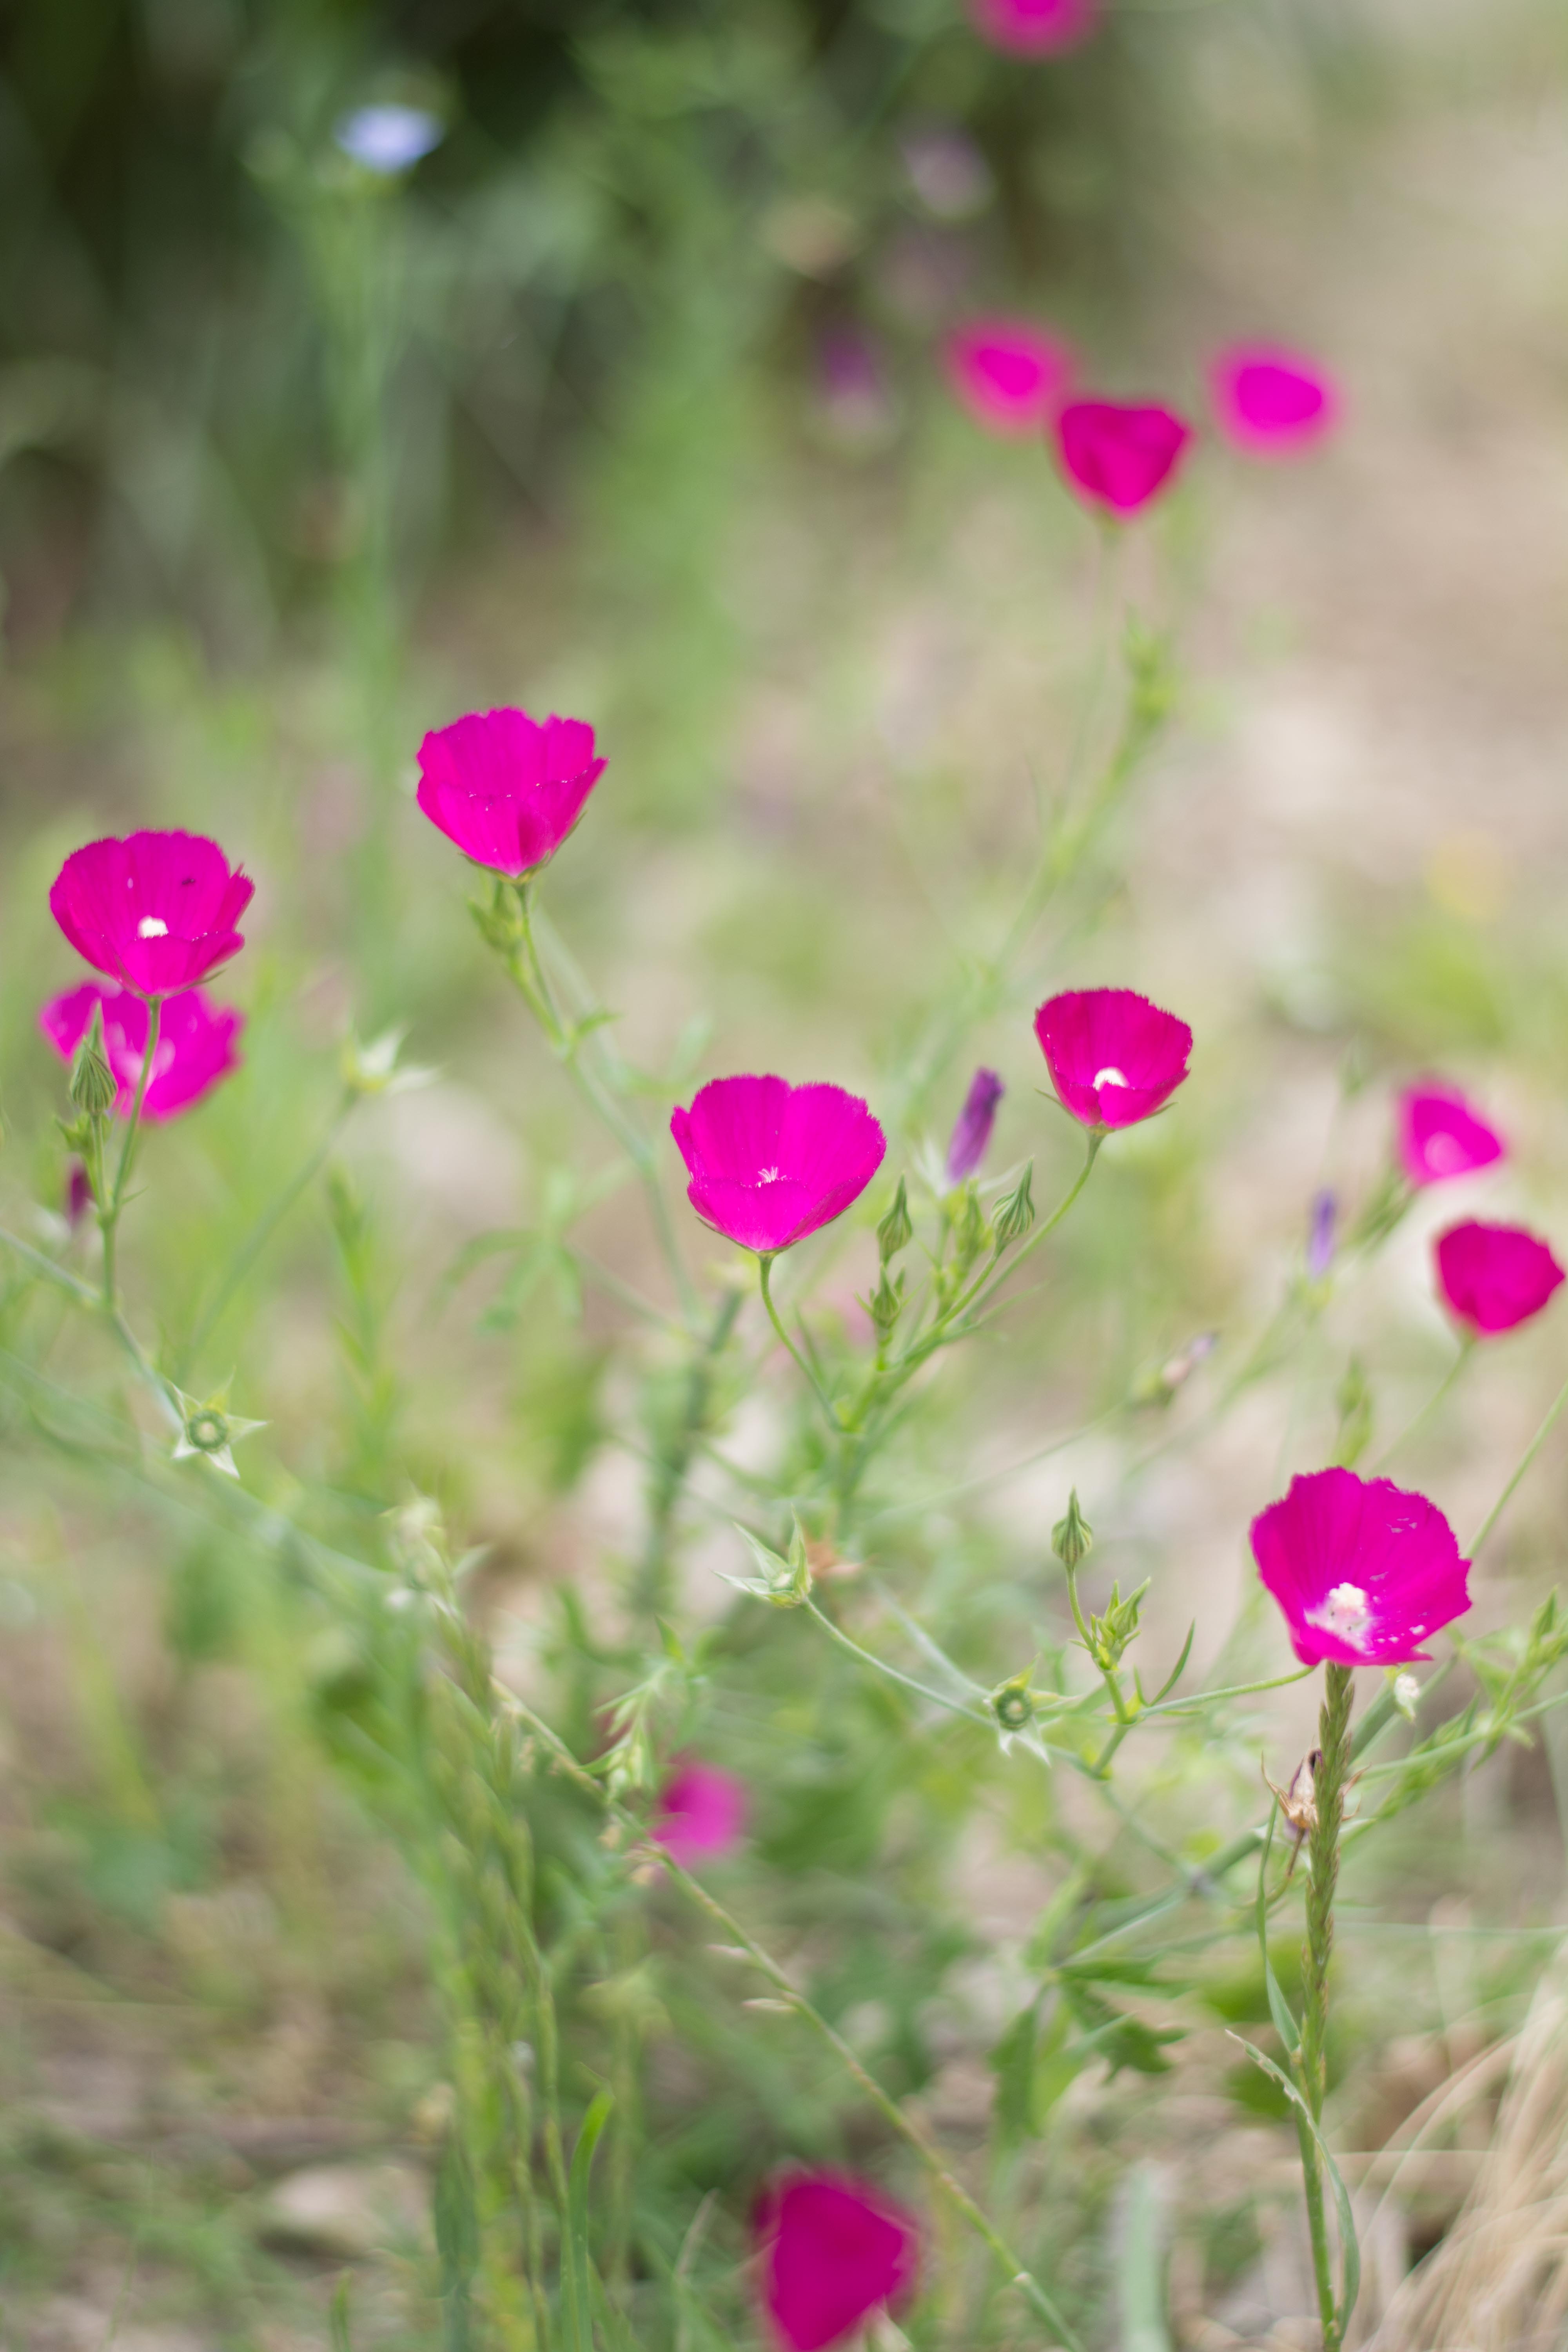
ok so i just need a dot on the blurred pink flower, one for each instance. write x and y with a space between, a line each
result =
1270 401
156 912
770 1162
701 1813
505 788
1114 1058
833 2250
1495 1276
197 1043
1119 454
1362 1571
1035 28
78 1193
1325 1218
970 1137
1441 1134
1010 375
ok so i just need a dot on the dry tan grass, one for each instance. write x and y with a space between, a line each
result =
1498 2281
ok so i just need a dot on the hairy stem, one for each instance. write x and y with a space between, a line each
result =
1328 1793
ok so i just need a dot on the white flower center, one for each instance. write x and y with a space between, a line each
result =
767 1175
150 928
1110 1077
1343 1612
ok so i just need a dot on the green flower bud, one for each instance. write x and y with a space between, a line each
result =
895 1232
1072 1538
93 1086
1109 1635
886 1305
971 1234
1016 1213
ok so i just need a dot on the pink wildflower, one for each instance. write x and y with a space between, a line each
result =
78 1193
973 1133
1270 400
770 1162
1362 1571
156 912
701 1813
1441 1134
505 788
1114 1058
1035 28
1008 374
1119 454
196 1044
832 2251
1495 1277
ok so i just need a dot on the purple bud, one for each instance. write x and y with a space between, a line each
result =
1321 1235
973 1133
79 1194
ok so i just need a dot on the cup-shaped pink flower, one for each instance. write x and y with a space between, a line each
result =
1010 375
832 2252
1362 1571
701 1813
966 1148
1114 1058
1035 28
1119 454
1442 1135
1495 1277
156 912
197 1043
505 788
1270 401
770 1162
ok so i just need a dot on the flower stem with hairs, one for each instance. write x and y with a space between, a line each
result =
1331 1774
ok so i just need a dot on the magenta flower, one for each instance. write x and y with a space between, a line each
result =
1008 374
701 1813
973 1133
1495 1277
156 912
1114 1058
1118 455
507 789
196 1044
1270 400
1442 1135
1035 28
78 1193
833 2250
770 1162
1362 1571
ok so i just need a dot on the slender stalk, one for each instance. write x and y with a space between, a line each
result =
261 1234
1530 1451
1023 2280
765 1268
1329 1791
109 1211
674 1462
1445 1385
564 1038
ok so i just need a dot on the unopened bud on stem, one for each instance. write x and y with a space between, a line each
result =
1072 1538
895 1232
1016 1213
93 1087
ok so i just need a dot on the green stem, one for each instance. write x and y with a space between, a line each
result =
764 1267
1023 2280
671 1468
1532 1450
564 1038
1467 1345
108 1214
261 1234
1328 1793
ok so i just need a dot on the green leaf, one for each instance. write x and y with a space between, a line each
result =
579 2268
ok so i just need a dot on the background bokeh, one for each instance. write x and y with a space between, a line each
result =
628 400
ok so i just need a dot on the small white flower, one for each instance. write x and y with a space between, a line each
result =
389 139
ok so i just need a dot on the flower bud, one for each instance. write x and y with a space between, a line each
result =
1072 1538
970 1235
93 1086
966 1149
895 1232
1016 1213
886 1305
78 1193
1109 1635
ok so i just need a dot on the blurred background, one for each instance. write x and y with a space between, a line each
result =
626 397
